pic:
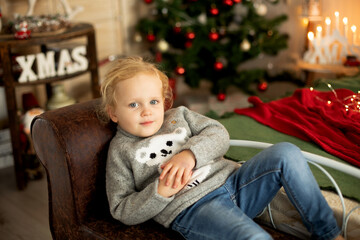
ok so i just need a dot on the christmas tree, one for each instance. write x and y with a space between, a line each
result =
210 39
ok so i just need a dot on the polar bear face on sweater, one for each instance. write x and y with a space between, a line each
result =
161 148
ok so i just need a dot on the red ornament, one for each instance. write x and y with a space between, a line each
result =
177 28
180 70
218 66
172 84
151 37
213 36
148 1
214 11
237 1
190 35
158 57
188 44
221 96
262 86
228 2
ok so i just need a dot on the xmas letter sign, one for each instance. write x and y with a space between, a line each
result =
45 64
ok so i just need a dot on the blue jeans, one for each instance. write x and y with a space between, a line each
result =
228 212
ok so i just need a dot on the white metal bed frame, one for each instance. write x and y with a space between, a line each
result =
315 160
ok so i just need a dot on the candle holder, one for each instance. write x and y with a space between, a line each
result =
333 47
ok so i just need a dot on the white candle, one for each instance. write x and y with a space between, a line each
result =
328 22
311 38
353 29
345 21
337 20
318 33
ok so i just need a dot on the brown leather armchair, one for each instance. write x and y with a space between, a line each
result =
72 145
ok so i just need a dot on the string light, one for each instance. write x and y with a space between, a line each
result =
349 103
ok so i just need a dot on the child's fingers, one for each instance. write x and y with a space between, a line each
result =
171 176
166 168
178 178
186 176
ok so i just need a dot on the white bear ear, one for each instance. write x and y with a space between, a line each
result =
178 130
141 156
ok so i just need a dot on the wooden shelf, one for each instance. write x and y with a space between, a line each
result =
7 45
337 69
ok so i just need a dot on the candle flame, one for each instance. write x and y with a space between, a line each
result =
310 36
328 21
353 28
345 20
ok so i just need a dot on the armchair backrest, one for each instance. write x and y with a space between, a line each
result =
72 145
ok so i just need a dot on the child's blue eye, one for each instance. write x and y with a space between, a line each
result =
153 102
133 105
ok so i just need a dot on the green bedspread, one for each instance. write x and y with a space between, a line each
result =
245 128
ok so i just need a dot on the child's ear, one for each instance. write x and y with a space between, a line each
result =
110 111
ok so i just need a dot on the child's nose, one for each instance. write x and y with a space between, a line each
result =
146 111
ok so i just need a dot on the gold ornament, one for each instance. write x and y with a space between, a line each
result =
138 37
163 45
245 45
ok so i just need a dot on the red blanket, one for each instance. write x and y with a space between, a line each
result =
313 116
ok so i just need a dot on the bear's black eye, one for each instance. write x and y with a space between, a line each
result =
169 143
152 155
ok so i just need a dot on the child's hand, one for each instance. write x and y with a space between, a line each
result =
168 191
178 169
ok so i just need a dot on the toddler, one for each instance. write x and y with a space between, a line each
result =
167 164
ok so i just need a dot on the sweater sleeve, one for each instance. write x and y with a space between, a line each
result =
210 139
126 203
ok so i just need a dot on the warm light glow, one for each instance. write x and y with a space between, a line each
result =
345 20
349 103
310 36
353 28
319 29
328 21
336 14
305 21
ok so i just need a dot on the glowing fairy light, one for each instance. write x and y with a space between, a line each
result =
350 103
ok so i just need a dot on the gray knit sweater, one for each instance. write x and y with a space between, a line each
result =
133 167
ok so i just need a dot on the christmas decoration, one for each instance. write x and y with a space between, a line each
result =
190 35
260 8
163 46
150 37
213 35
180 70
22 31
221 97
37 25
218 66
245 45
214 11
262 86
172 83
210 39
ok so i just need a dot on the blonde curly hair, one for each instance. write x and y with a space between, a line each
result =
127 68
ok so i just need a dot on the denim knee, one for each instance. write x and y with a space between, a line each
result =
288 152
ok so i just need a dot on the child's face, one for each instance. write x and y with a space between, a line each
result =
140 105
